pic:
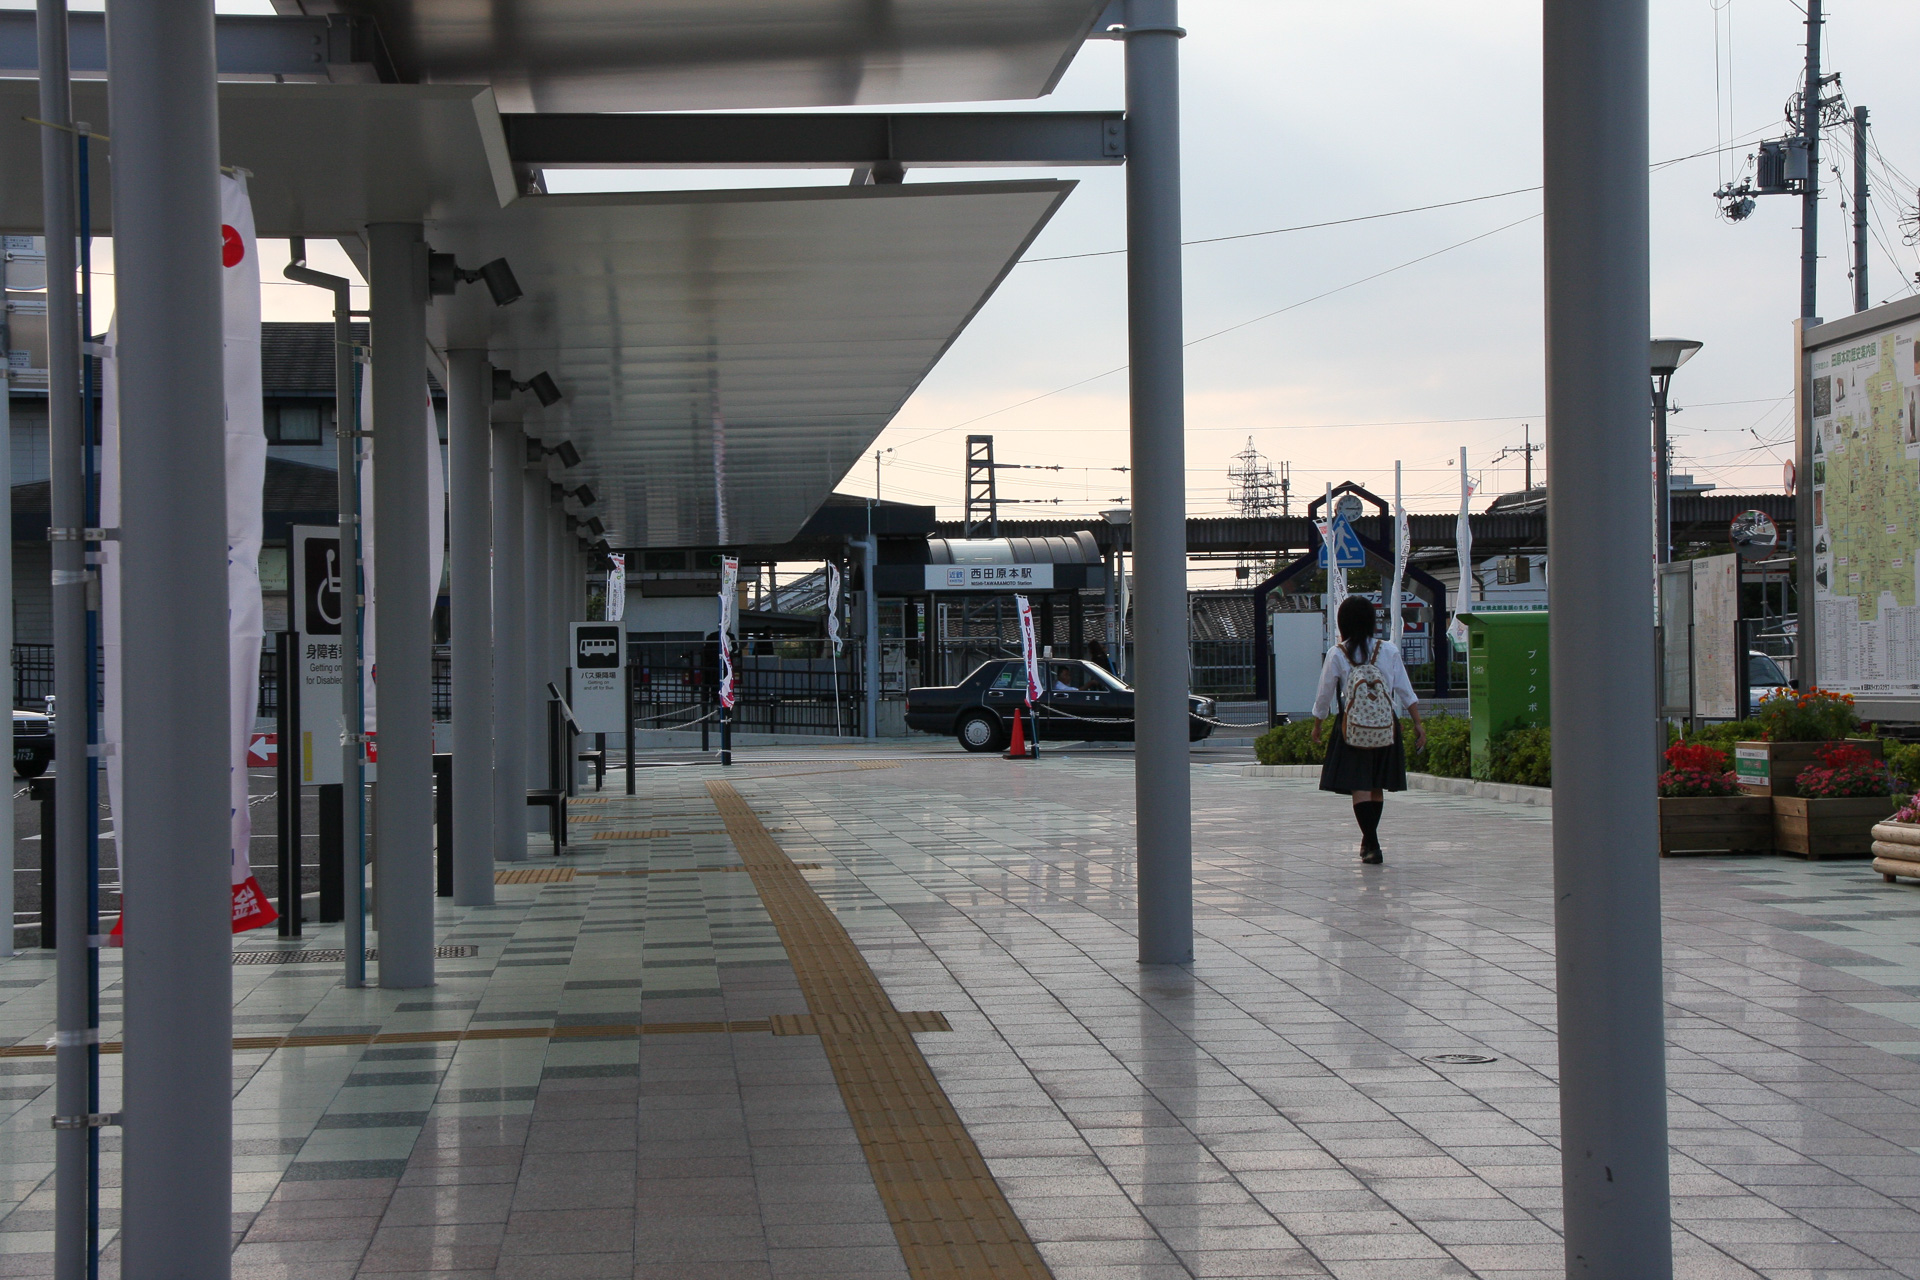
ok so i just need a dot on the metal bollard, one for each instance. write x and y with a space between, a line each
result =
333 882
443 823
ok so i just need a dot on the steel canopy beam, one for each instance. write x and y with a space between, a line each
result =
323 47
557 140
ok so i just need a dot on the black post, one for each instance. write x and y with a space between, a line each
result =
443 823
333 860
599 761
287 777
41 789
706 702
726 735
629 728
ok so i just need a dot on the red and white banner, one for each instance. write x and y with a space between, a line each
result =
729 580
246 474
1029 651
246 488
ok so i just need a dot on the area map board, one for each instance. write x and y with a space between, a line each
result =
1861 399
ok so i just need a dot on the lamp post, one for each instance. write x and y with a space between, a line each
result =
1665 355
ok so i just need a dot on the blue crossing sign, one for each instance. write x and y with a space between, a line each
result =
1347 551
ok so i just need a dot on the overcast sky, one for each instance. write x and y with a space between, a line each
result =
1295 113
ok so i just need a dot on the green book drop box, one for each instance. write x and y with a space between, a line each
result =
1506 678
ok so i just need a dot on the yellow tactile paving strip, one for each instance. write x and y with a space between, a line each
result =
534 875
948 1213
684 871
609 1031
779 1025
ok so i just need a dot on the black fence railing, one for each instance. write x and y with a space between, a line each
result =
802 690
33 679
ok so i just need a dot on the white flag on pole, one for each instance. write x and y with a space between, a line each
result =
1030 651
729 579
617 587
1396 590
833 607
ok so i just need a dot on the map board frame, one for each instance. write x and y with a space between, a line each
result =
1857 513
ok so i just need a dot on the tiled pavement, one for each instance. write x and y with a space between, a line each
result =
1268 1113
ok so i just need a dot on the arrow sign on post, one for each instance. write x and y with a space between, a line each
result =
1347 551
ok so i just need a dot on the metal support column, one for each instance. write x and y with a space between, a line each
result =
509 745
403 625
1163 789
177 1099
1861 299
6 591
533 689
1613 1092
870 639
72 651
469 565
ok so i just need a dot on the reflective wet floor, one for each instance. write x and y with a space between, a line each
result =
876 1013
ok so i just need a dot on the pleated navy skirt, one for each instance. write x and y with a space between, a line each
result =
1349 769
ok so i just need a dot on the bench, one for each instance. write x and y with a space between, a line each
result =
555 801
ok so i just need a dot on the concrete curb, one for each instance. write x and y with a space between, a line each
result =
1509 792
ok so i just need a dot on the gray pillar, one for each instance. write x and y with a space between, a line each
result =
533 529
177 1103
470 608
72 654
403 639
6 593
1613 1093
1163 789
509 645
870 639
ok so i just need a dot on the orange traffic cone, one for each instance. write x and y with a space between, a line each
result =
1017 748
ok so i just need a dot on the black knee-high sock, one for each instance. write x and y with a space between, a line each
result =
1367 814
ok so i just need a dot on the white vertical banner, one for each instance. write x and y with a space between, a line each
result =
1030 651
111 627
729 582
616 594
246 441
1396 616
1463 537
833 607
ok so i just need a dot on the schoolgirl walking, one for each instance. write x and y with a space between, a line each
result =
1365 680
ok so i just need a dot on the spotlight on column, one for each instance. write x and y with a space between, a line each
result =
573 523
444 275
594 525
583 495
568 455
541 384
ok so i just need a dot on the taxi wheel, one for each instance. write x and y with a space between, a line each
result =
979 731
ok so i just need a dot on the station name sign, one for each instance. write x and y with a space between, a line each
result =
989 577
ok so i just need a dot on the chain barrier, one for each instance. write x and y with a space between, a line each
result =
1221 724
685 724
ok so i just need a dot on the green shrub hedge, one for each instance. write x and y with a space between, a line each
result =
1445 753
1523 756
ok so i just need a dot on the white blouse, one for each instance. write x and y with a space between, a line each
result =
1333 676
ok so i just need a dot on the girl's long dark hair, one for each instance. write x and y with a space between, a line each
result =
1356 622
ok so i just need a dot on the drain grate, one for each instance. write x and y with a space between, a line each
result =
334 955
1460 1059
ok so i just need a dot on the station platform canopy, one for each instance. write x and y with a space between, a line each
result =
725 356
682 55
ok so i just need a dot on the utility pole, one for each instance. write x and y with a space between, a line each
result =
1860 302
1810 193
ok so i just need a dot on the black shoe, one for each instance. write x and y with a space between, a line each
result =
1372 856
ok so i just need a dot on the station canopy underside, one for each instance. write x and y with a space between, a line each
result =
726 356
681 55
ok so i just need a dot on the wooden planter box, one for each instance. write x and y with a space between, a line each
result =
1717 824
1896 849
1769 768
1827 828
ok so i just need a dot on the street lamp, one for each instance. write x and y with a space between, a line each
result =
1664 356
